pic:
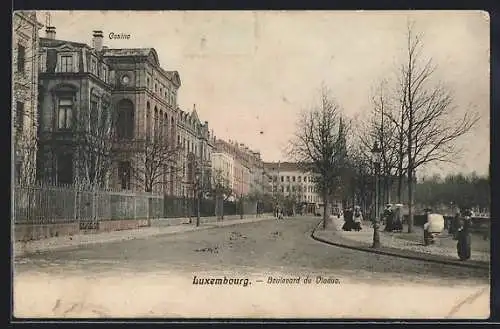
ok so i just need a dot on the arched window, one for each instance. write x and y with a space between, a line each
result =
125 121
156 130
148 121
160 124
165 123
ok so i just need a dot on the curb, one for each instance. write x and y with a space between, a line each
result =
190 228
400 255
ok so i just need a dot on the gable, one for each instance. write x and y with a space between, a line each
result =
66 47
153 56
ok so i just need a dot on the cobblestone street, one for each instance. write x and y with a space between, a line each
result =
255 251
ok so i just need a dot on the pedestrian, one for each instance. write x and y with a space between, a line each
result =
358 218
464 237
388 218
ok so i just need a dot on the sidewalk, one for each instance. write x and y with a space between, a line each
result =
158 227
407 245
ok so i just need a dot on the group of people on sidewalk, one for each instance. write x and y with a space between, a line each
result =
392 217
353 219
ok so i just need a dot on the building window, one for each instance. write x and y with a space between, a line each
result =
156 87
148 82
148 121
288 179
282 179
125 122
65 112
21 58
156 132
178 140
67 63
124 170
293 179
299 179
65 168
19 117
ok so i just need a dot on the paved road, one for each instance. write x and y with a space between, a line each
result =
256 250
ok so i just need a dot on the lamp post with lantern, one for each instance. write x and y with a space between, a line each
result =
198 194
376 152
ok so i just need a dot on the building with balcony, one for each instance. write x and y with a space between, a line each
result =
25 61
74 112
118 103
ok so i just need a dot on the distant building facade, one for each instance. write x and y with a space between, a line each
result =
287 180
223 171
196 143
25 61
249 173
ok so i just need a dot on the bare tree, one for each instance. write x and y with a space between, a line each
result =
94 139
319 147
386 127
433 125
361 177
221 191
156 159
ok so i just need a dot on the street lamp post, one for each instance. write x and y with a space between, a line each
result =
198 194
376 164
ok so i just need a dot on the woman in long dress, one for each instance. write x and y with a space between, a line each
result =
358 218
464 238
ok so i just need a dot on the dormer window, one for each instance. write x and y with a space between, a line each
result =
66 63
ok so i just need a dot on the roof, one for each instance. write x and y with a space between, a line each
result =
143 52
282 166
56 43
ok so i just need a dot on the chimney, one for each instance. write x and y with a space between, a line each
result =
194 107
97 39
50 32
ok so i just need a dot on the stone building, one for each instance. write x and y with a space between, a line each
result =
74 101
223 171
25 61
196 143
83 87
144 97
249 174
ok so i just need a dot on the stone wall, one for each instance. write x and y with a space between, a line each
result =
28 232
120 225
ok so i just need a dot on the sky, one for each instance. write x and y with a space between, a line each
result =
250 74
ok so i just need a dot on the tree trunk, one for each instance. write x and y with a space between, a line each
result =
410 201
400 186
326 216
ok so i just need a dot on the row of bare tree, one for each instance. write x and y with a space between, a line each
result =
414 121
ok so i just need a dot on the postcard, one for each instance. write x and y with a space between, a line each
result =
251 164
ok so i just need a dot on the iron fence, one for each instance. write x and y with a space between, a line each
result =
46 204
49 204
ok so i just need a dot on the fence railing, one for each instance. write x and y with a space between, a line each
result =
47 204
